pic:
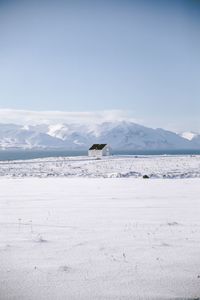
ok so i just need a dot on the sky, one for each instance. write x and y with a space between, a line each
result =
137 58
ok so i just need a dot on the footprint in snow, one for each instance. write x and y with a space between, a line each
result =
40 239
64 268
172 223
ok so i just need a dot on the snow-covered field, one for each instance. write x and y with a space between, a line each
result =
66 232
79 238
185 166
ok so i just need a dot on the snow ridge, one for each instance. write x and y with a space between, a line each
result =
120 135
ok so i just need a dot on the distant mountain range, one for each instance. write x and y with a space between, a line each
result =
120 135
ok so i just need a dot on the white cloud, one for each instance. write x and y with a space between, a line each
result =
52 117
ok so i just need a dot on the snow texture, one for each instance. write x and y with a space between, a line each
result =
185 166
77 238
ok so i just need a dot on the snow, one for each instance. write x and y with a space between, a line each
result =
189 135
121 135
185 166
193 137
117 238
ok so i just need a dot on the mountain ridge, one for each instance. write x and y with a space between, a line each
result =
121 135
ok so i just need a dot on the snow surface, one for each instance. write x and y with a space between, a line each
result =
189 135
78 238
185 166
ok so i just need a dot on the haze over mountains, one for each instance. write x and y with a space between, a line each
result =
120 135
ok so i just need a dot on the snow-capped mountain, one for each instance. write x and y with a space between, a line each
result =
15 136
189 135
120 135
194 137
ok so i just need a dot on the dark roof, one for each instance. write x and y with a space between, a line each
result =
97 146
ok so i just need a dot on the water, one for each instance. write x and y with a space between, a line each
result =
31 154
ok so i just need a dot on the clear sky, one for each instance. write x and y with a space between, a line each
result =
137 56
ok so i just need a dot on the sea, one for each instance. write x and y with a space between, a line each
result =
31 154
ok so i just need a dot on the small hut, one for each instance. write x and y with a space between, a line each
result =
99 150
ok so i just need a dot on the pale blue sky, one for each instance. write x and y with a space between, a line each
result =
137 56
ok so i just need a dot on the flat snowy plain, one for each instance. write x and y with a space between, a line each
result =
185 166
97 238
